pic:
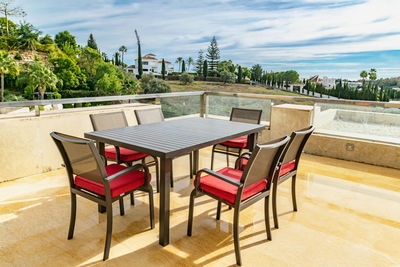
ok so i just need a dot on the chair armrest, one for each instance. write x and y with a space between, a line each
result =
125 171
217 175
238 162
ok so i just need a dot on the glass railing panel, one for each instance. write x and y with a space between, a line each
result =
180 106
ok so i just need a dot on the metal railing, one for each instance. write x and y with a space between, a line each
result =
203 100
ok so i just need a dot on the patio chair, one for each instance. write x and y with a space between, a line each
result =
240 189
105 121
91 179
235 146
289 162
154 115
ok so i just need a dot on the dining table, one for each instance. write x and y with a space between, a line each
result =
170 139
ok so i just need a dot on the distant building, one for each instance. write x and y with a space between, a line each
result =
328 83
151 65
354 84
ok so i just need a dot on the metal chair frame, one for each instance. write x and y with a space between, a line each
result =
103 201
241 205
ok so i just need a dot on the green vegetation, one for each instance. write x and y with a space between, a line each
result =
7 66
186 78
213 54
152 85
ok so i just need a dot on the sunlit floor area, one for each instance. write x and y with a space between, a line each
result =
348 215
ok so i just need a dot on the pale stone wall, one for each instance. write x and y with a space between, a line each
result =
26 147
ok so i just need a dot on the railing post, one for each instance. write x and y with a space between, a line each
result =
158 101
203 105
37 111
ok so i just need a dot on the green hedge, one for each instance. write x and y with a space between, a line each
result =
81 93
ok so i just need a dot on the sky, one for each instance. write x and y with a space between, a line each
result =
326 37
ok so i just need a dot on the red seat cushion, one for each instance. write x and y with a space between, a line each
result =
237 142
285 168
227 191
121 185
125 154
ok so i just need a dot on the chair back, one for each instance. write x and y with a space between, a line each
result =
146 116
298 140
263 162
80 157
105 121
246 115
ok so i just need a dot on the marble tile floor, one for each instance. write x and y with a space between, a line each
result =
349 215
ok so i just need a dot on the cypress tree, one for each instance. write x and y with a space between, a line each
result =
199 63
163 69
92 42
213 54
240 74
205 69
140 64
183 66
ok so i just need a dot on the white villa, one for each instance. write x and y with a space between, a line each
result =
151 65
328 83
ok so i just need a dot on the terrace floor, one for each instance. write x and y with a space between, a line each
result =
349 215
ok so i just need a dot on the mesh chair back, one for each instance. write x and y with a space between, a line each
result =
105 121
298 140
246 115
264 161
80 157
146 116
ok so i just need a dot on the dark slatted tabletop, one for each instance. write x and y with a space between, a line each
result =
174 137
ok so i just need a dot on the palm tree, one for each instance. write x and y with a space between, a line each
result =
41 77
372 74
189 62
179 61
123 50
28 35
7 65
364 75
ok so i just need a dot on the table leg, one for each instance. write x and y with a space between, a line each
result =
252 141
195 162
165 176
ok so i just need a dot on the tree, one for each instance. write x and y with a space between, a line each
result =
199 62
227 77
179 61
46 40
40 77
186 78
213 54
88 60
7 9
92 42
123 50
190 63
105 57
256 72
163 69
63 39
67 71
364 75
28 35
140 63
291 76
117 62
205 69
372 74
183 66
240 74
7 65
151 85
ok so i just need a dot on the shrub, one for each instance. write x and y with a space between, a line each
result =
156 86
213 73
227 77
18 56
186 78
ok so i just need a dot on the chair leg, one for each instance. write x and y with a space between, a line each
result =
274 206
227 156
266 211
132 199
101 208
294 193
212 157
109 231
73 217
172 178
191 207
236 236
191 165
151 204
219 210
121 206
157 174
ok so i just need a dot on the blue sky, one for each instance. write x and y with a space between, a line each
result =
326 37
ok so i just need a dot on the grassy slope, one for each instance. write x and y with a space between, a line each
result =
177 86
